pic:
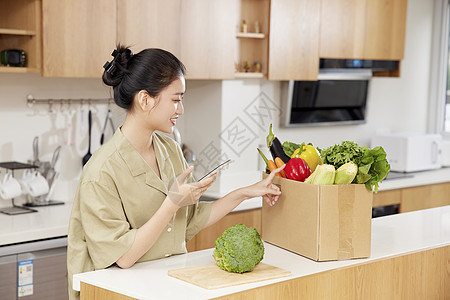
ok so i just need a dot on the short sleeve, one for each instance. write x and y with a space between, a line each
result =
108 234
198 215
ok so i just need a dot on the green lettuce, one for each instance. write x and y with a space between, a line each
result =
372 164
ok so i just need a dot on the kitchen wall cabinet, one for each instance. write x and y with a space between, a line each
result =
415 198
149 23
79 37
199 32
205 238
207 38
294 40
363 29
252 38
20 28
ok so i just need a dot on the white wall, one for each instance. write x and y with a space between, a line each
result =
20 123
210 106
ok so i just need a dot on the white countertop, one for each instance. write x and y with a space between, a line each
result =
391 236
52 221
47 222
417 179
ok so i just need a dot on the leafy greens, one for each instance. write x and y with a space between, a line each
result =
372 164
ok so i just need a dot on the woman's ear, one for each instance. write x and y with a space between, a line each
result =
145 102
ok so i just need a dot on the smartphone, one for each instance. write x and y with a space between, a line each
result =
216 169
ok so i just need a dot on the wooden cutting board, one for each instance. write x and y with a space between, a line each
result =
212 277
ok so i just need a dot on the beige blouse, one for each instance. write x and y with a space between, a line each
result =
118 192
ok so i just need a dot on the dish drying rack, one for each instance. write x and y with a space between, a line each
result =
31 201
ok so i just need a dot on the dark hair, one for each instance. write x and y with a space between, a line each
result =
151 70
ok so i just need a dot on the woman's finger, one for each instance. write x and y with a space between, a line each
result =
274 172
208 180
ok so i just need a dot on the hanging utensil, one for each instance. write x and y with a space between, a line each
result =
88 154
36 161
51 171
108 118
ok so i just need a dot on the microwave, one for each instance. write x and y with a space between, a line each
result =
410 152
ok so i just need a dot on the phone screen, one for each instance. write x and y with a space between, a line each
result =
216 169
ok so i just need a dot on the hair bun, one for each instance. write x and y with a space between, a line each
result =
118 67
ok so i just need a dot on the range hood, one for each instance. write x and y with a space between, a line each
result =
358 64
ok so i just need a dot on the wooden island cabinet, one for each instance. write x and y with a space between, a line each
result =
408 261
205 238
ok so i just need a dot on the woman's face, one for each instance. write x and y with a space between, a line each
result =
168 106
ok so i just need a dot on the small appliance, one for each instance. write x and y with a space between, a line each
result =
13 58
409 151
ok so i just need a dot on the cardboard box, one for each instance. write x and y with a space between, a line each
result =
321 222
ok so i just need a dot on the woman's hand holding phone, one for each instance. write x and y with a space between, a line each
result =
182 193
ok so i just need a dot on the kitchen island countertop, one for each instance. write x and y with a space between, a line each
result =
53 221
392 236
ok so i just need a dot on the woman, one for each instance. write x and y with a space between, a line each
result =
136 200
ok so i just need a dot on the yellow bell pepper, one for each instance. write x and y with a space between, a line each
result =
309 154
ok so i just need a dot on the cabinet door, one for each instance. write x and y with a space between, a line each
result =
294 40
206 238
426 196
208 38
363 29
385 29
78 37
342 28
8 277
50 280
385 198
145 24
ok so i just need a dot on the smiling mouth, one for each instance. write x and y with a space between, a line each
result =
174 121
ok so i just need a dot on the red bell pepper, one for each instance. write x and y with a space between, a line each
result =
297 169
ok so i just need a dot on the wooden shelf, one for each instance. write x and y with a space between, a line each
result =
18 70
250 35
17 31
248 75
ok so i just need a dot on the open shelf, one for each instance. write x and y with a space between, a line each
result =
252 41
18 70
17 31
248 75
20 28
250 35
